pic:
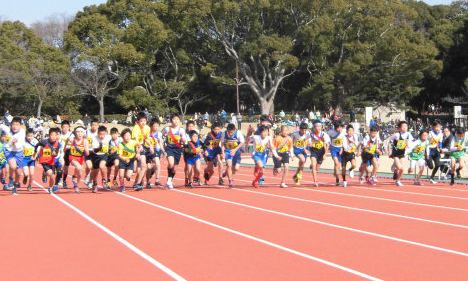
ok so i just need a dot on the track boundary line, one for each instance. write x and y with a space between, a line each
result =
337 266
353 208
118 238
330 224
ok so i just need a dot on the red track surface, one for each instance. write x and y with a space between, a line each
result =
213 233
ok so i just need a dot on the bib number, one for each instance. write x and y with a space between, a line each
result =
28 152
231 145
300 143
47 153
401 144
419 149
317 144
171 141
337 142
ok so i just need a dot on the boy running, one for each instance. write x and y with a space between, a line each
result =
98 156
319 144
153 160
419 150
350 146
78 150
336 137
262 145
14 153
371 145
231 142
299 139
91 133
435 139
192 150
46 153
283 144
175 138
457 150
29 164
400 141
65 138
129 150
213 153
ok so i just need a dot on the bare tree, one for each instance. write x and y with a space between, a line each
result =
178 92
52 28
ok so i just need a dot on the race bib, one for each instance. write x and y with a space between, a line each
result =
371 149
104 149
401 144
114 149
419 149
28 152
214 143
90 141
300 143
317 144
231 145
260 148
434 141
337 142
75 152
352 149
284 149
47 153
171 141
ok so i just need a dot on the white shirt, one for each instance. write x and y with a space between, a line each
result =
20 137
435 138
319 139
336 138
179 131
158 139
350 143
97 143
298 140
371 144
262 145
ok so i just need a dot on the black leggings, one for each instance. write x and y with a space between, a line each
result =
433 162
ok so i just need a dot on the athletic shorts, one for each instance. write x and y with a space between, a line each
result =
284 159
17 156
398 153
79 159
212 154
174 152
262 157
96 159
457 155
88 157
347 157
27 162
111 160
299 151
420 163
367 157
150 157
47 167
66 157
3 165
191 160
335 152
127 166
317 154
236 159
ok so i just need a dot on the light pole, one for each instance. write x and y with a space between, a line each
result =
237 87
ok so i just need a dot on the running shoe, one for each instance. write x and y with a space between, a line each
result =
14 191
55 188
261 181
25 180
255 184
431 180
137 187
169 183
351 174
190 185
29 188
345 184
231 183
149 185
122 189
221 181
283 185
398 183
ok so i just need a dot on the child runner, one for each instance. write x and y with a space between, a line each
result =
435 139
3 161
113 157
153 160
175 138
78 151
299 139
350 145
65 138
193 150
457 152
98 156
91 133
283 144
262 145
14 153
371 149
419 150
399 141
213 153
319 144
129 150
189 126
140 134
231 142
46 152
29 163
336 137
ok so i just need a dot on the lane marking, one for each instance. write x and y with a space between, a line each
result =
343 268
328 224
119 239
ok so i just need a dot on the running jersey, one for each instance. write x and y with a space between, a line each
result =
283 144
19 136
336 138
101 147
29 147
350 143
193 149
175 136
140 135
458 143
48 152
156 140
212 140
300 141
90 136
318 141
418 149
114 145
435 139
128 150
400 140
231 142
371 144
262 146
77 149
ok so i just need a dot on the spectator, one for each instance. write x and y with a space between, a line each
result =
233 119
251 114
282 115
8 117
297 119
352 116
206 118
239 121
58 119
223 117
32 122
311 115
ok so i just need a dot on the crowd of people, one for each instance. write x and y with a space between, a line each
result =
94 153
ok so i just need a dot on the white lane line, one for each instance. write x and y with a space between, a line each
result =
411 192
354 208
371 197
337 266
119 239
330 224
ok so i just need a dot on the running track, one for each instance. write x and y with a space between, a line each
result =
212 233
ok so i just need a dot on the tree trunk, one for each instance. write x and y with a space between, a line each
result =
39 108
265 105
101 108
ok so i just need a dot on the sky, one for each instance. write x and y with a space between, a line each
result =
29 11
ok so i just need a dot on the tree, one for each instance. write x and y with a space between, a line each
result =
30 67
99 57
52 29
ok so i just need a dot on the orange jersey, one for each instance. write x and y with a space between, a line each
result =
283 144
